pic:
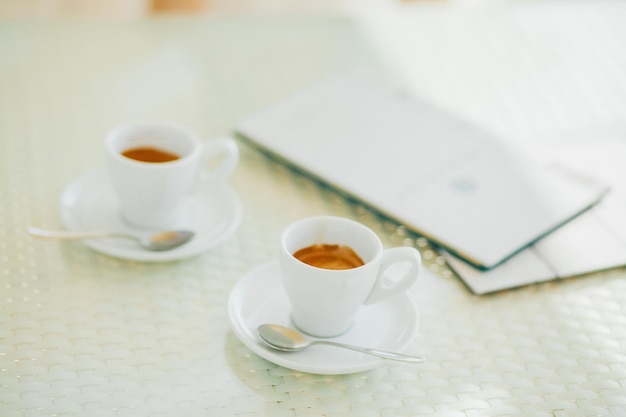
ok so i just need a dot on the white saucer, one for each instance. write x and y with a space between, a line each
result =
213 212
259 298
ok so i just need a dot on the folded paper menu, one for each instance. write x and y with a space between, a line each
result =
594 241
460 185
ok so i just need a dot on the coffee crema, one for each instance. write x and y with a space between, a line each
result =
329 256
150 154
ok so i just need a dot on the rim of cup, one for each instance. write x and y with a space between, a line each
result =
373 252
117 142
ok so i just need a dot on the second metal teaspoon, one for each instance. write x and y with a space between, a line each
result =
289 340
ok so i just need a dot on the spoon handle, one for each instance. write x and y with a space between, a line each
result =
63 234
375 352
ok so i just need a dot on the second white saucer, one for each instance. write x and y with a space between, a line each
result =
260 298
213 212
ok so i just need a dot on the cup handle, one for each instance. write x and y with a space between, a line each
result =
392 257
223 154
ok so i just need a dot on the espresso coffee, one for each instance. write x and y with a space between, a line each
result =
149 154
329 256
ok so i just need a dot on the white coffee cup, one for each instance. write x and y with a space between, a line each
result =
324 302
151 193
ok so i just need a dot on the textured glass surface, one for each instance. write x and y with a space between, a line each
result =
84 334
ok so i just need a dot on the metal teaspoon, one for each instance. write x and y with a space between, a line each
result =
159 241
289 340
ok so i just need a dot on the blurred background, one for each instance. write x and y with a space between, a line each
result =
136 8
538 71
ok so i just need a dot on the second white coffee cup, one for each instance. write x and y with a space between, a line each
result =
324 302
151 192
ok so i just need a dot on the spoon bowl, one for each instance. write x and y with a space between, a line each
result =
289 340
157 241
